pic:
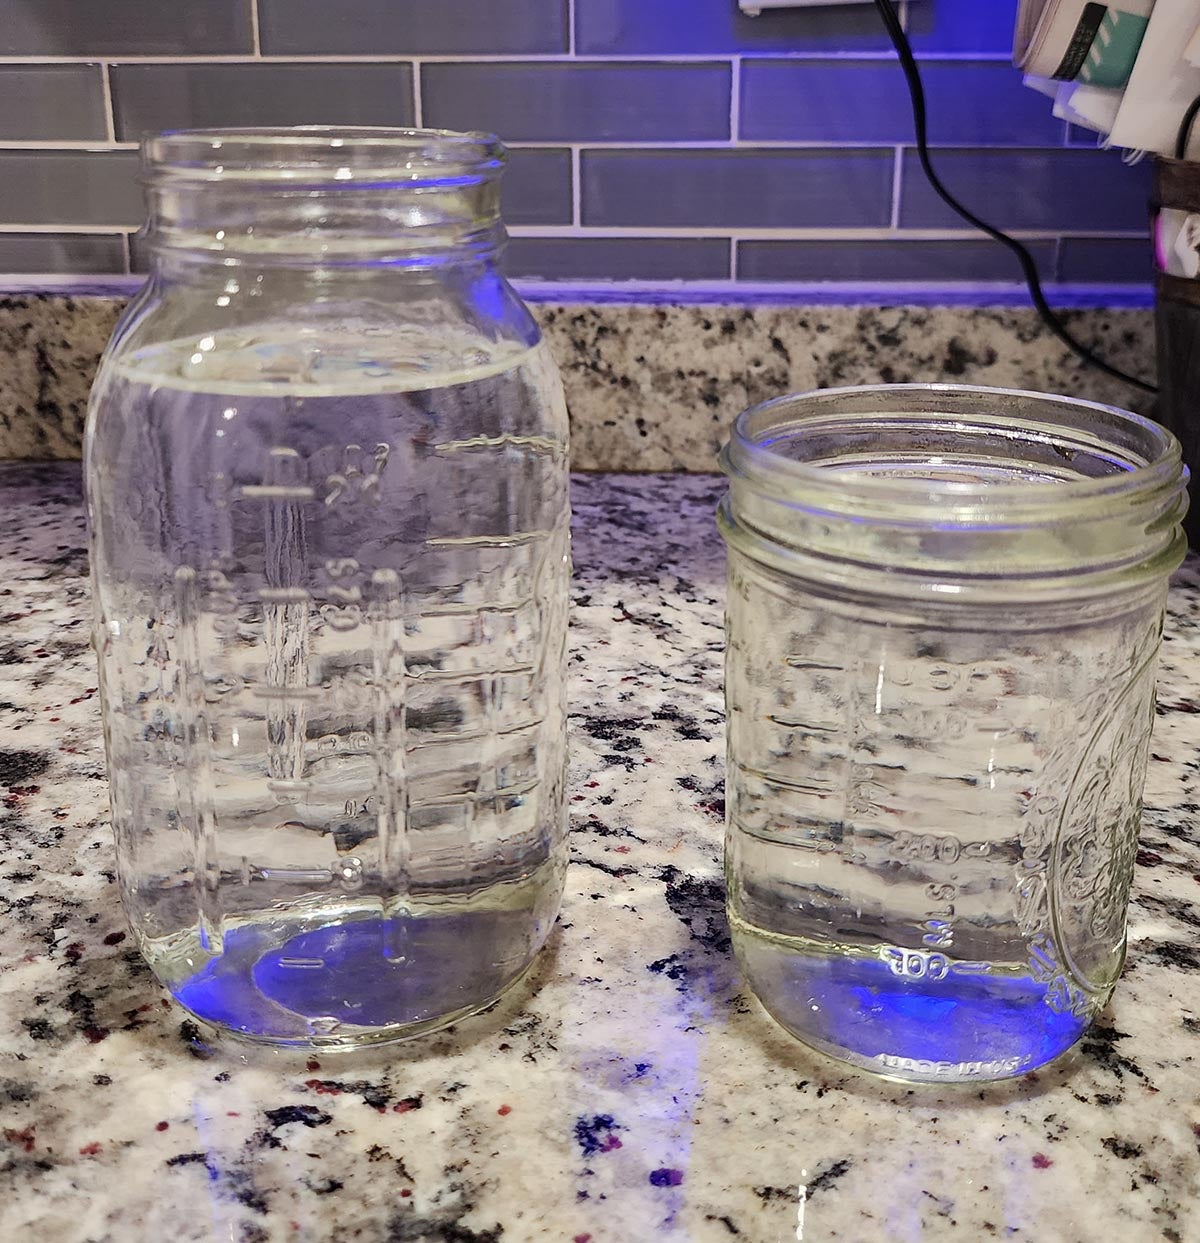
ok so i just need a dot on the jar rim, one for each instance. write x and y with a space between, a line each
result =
329 155
749 454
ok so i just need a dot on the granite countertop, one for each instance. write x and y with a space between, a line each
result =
650 387
630 1089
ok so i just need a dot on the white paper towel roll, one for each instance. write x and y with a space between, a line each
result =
1162 84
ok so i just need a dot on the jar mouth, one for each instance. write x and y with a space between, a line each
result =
323 196
964 451
326 157
957 493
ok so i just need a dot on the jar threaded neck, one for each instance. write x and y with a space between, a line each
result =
326 195
957 490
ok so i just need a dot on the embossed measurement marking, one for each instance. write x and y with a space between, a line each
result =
813 727
292 876
347 873
915 964
259 691
299 786
276 492
283 595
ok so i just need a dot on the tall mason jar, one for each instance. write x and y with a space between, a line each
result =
945 606
326 465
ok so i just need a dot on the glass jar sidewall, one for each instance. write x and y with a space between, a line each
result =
121 492
1075 836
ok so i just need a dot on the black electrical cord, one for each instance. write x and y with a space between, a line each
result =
1185 129
916 91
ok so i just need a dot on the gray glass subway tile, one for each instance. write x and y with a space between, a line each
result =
970 103
884 261
1106 260
411 27
70 187
628 27
962 26
148 98
1065 189
537 186
747 188
580 102
124 27
139 254
1081 136
66 254
51 102
618 258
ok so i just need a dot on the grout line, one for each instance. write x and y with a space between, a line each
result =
897 185
127 247
733 259
95 144
1104 297
106 90
571 27
257 42
735 101
633 144
686 231
73 284
487 58
699 144
418 101
830 145
576 189
752 233
83 230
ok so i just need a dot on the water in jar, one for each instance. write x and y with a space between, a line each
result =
331 575
932 818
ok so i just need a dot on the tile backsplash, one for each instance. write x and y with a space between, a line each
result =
652 140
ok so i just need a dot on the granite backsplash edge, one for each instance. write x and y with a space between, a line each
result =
650 388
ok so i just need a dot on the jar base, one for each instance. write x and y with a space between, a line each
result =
964 1028
350 976
364 1038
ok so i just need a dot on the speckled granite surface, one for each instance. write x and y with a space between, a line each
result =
655 388
649 387
628 1090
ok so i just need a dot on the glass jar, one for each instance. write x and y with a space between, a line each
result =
945 606
326 465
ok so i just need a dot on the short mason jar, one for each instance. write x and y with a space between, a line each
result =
945 606
326 466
